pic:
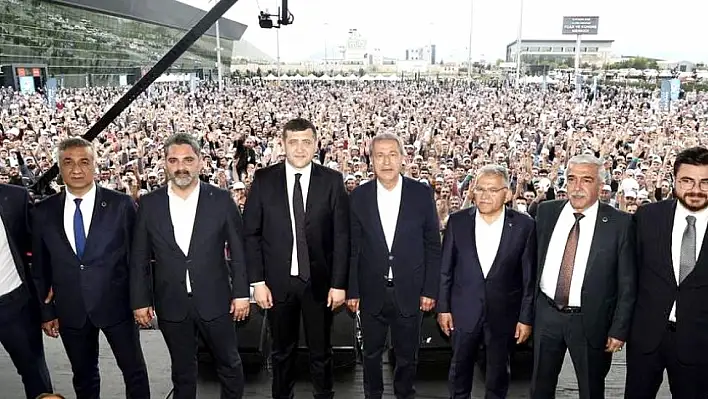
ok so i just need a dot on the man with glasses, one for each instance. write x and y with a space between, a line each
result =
487 283
671 317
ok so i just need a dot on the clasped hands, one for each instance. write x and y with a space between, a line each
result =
264 298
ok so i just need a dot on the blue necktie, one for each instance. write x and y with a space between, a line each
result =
79 234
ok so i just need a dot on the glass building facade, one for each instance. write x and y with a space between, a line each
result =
73 41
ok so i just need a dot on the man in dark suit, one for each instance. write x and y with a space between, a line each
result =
671 315
395 265
81 244
20 332
296 223
186 226
487 282
586 283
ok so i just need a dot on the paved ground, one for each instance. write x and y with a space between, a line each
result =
431 383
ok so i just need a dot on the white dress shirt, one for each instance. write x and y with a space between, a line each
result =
556 247
389 203
487 239
88 201
9 277
680 224
290 172
183 213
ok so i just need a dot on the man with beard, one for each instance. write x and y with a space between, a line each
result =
186 226
671 317
586 284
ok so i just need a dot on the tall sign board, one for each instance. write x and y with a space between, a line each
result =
579 26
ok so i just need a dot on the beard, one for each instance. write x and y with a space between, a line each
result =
182 178
683 199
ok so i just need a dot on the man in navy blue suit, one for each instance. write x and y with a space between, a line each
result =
487 284
80 250
19 310
395 265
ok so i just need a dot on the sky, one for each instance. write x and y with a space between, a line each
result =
672 30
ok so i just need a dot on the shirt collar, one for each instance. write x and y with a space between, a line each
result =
496 221
591 212
291 170
192 195
682 212
89 197
396 189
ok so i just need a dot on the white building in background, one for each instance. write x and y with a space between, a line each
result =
425 53
597 52
355 51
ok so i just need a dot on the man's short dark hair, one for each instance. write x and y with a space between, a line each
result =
298 125
183 139
697 156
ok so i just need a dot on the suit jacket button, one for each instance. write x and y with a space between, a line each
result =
82 267
390 257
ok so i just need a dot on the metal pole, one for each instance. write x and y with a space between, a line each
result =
578 89
218 57
277 44
325 42
469 48
518 43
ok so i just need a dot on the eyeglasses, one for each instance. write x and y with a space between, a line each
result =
688 184
480 190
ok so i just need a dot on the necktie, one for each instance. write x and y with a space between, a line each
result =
567 264
79 233
303 256
687 260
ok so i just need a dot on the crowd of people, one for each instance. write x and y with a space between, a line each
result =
364 235
449 130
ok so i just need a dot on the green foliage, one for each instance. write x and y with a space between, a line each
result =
636 63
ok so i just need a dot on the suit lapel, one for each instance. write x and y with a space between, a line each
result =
473 234
201 218
8 224
97 214
376 215
665 226
402 212
314 191
603 232
283 201
59 222
504 243
165 221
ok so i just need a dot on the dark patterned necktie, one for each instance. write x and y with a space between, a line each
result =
303 256
567 264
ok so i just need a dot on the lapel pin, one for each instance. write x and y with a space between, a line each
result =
604 220
103 204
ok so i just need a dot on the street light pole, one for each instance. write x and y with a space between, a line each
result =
218 58
277 49
218 54
469 47
518 43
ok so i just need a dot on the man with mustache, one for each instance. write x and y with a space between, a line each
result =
671 316
586 284
186 226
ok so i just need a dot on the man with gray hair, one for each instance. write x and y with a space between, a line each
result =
487 283
395 265
586 286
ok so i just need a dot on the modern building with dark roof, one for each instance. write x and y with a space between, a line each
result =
105 39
